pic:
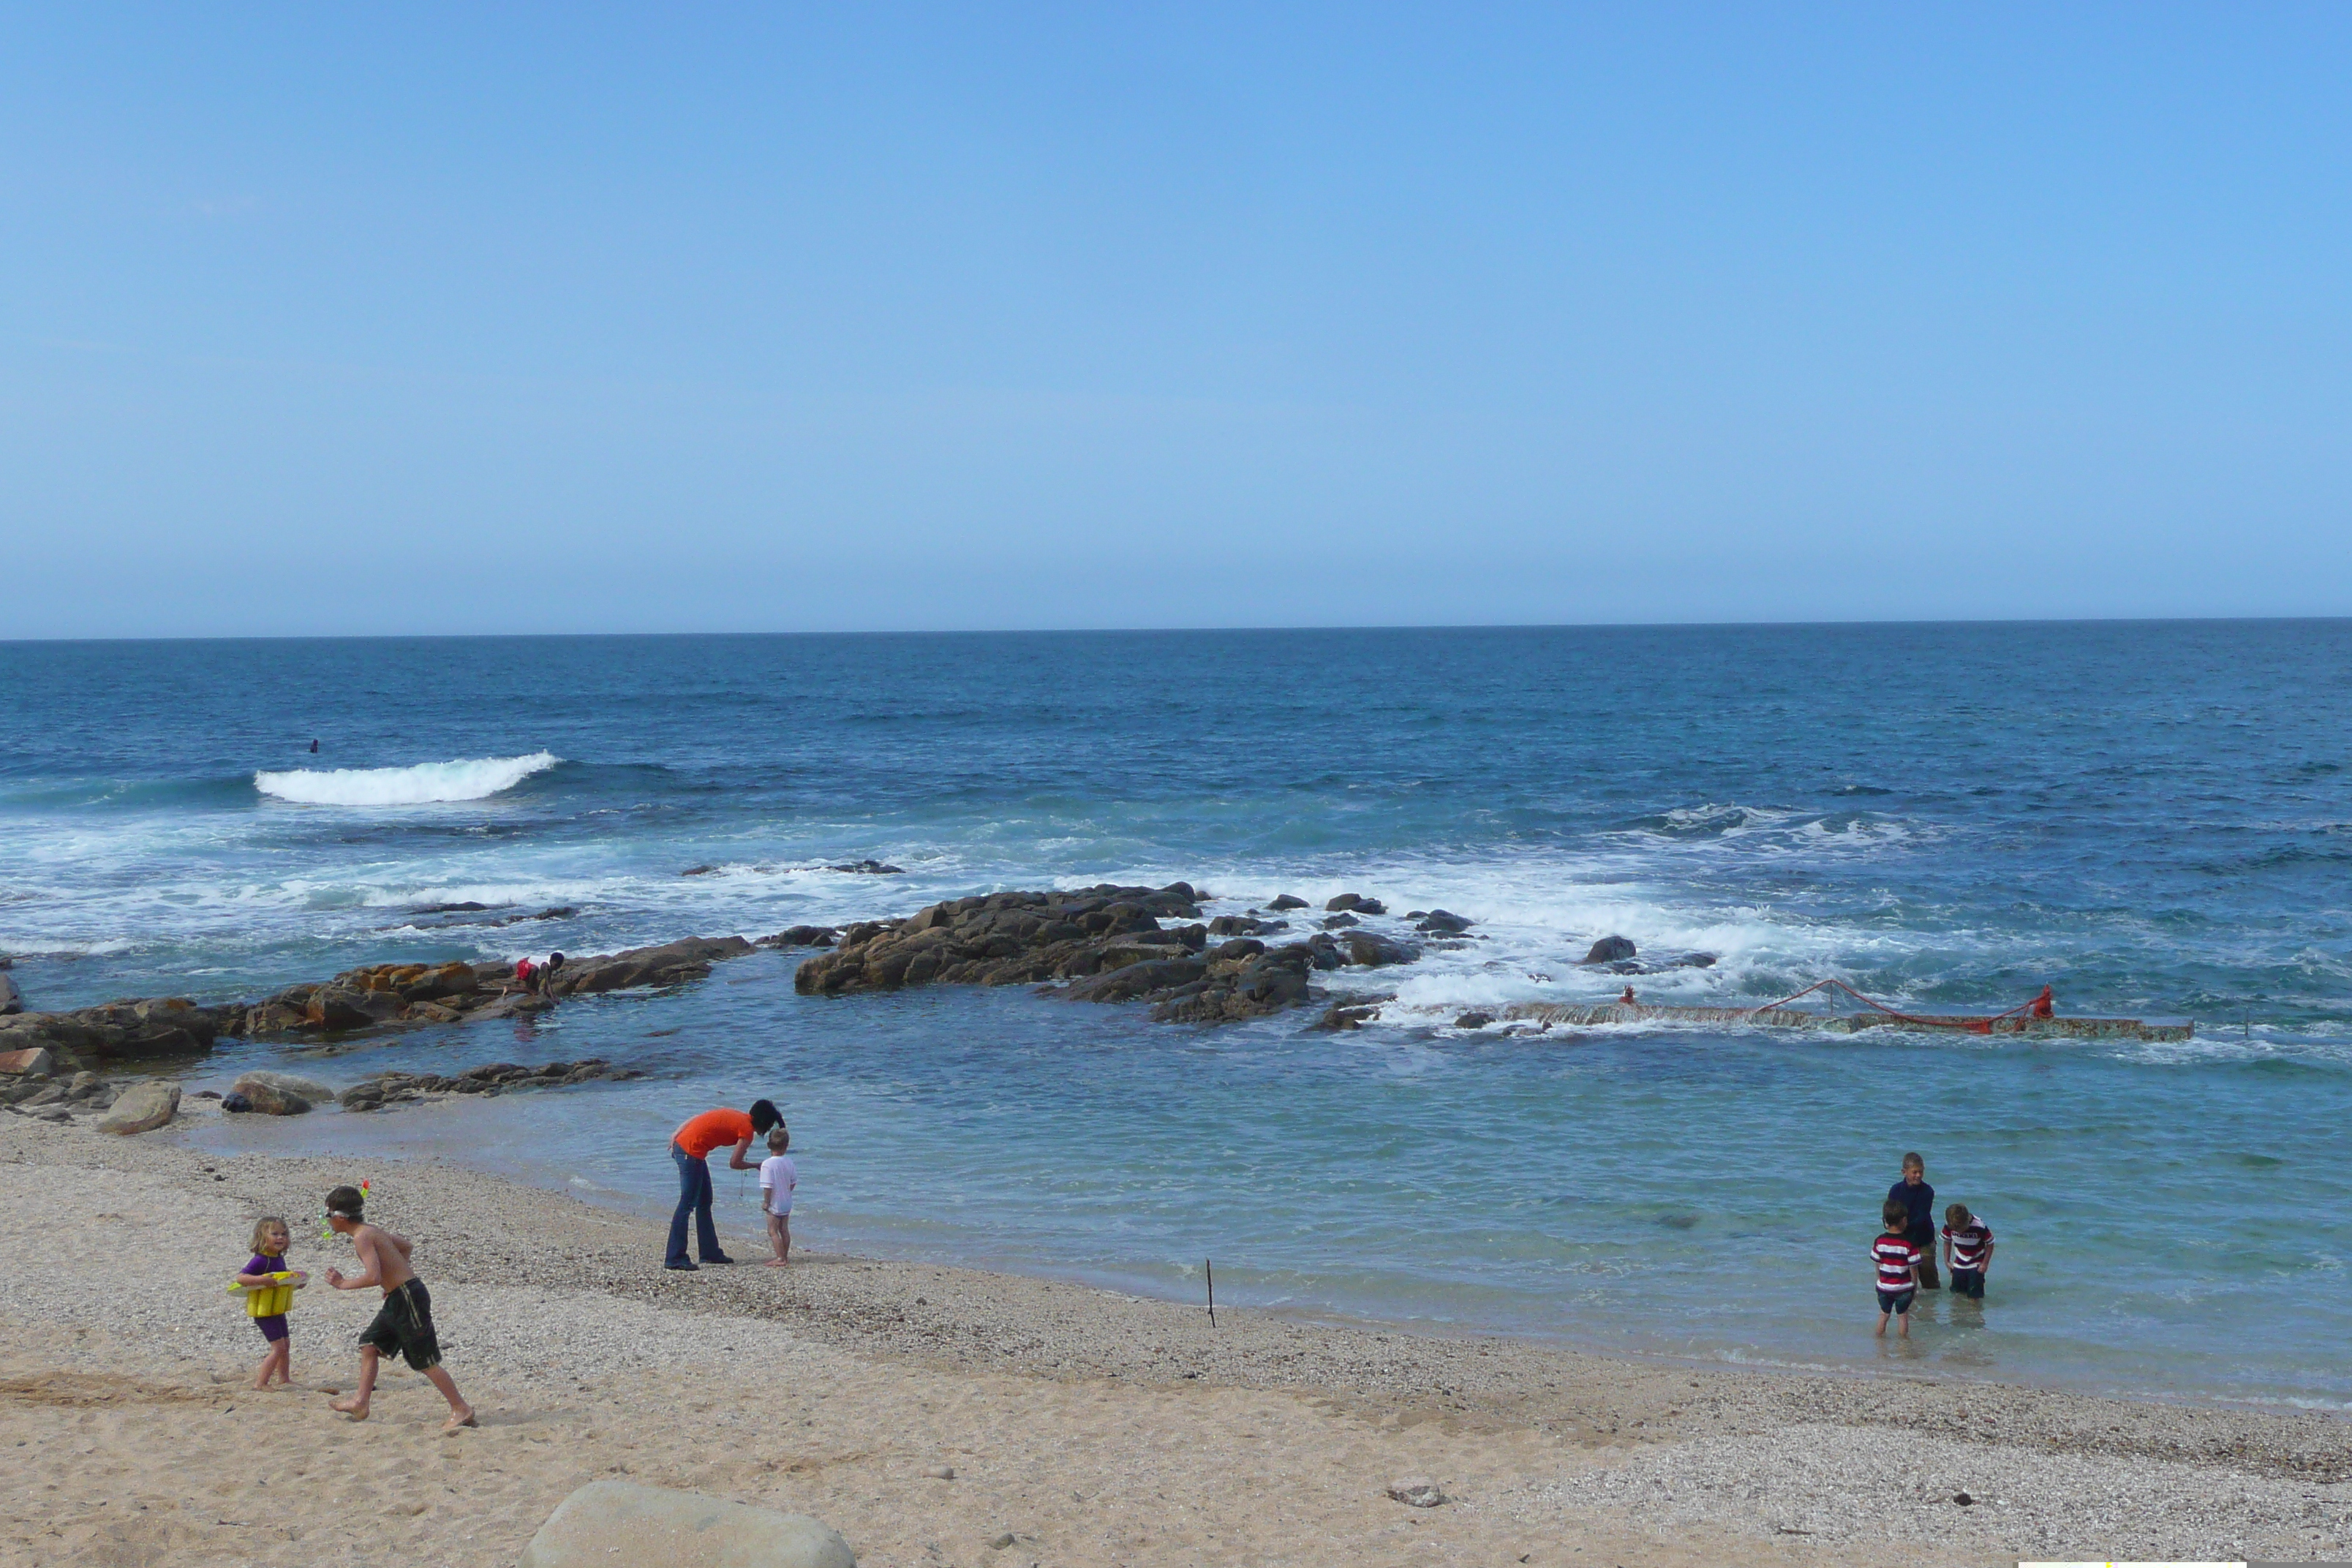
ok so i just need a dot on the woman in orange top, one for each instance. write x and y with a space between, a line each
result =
689 1148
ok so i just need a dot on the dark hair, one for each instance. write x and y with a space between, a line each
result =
764 1115
346 1202
554 961
1896 1214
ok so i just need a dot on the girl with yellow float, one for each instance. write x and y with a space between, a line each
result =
268 1286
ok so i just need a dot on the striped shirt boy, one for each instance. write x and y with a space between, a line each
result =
1969 1242
1896 1258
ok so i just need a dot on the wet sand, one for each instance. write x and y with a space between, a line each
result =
1081 1427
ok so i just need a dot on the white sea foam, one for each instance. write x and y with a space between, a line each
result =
423 784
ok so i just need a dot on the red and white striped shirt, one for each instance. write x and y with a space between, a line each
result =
1896 1258
1970 1243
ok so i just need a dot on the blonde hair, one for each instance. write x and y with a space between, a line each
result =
781 1139
261 1230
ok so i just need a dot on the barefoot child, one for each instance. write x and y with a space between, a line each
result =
1967 1250
1898 1263
405 1321
267 1299
777 1177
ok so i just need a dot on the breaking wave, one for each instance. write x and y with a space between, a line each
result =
423 784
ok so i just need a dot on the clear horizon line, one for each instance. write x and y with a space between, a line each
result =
1200 630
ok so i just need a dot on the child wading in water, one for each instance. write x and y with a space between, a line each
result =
1897 1265
1967 1250
404 1323
266 1300
1919 1199
777 1177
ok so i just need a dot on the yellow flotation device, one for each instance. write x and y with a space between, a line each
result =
271 1301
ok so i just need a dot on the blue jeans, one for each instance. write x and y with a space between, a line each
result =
693 1198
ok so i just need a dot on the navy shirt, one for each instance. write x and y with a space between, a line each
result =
1920 1200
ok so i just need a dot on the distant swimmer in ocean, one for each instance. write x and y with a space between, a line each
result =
314 748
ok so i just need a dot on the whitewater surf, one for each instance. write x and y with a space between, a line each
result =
425 783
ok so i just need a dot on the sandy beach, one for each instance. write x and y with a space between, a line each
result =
937 1415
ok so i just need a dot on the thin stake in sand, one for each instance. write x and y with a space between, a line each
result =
1210 1270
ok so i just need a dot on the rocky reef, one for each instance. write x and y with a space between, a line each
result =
1103 944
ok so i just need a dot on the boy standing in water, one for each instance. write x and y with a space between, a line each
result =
1896 1262
1967 1250
1919 1199
404 1323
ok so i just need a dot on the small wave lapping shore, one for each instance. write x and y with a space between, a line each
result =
426 783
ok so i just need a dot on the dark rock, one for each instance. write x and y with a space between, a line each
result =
467 908
1243 925
1964 1500
1358 902
669 964
1344 1016
870 869
1364 948
800 936
268 1099
558 912
1339 922
1281 901
1008 939
1473 1020
490 1078
337 1008
1439 921
148 1030
11 999
1240 947
235 1103
702 871
1131 981
1611 950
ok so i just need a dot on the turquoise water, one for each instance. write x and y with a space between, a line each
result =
2156 819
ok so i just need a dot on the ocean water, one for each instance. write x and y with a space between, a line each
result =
2153 818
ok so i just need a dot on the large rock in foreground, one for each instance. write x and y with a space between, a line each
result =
609 1522
142 1107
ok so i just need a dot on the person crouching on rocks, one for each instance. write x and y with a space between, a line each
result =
689 1149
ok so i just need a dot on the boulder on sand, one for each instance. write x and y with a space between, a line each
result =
309 1089
608 1523
33 1062
142 1107
259 1094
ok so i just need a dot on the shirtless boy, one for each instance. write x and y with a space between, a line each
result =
404 1323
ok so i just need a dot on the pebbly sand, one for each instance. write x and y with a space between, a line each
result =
1079 1426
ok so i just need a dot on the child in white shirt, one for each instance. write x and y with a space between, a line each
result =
776 1179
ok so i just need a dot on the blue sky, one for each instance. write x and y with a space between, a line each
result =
593 318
